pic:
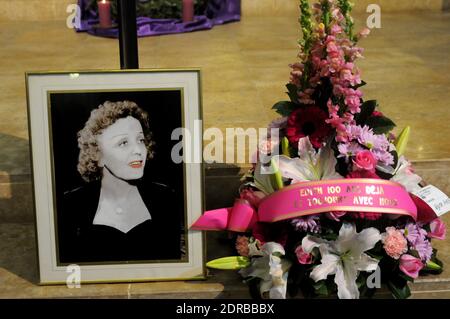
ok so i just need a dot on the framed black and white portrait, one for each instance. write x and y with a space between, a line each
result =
114 189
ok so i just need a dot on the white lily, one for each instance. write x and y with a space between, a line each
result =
310 165
403 175
263 178
344 258
272 269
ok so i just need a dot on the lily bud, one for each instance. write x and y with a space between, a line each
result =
402 141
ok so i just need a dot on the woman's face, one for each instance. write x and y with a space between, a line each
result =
122 148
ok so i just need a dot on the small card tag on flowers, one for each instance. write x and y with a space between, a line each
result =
435 198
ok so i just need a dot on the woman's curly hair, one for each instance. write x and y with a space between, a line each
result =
101 118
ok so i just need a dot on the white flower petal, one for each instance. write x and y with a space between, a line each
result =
295 168
272 247
310 242
365 240
328 266
306 151
366 263
310 165
265 286
259 268
263 179
404 176
347 232
345 280
279 291
327 163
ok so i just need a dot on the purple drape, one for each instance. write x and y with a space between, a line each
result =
217 12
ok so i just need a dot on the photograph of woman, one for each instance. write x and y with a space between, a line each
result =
118 214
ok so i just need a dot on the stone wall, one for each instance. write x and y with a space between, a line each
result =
38 10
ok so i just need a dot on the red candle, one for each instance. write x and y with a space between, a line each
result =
104 13
188 10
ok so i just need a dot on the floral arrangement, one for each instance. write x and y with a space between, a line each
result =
328 132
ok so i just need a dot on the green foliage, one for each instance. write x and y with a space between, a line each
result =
292 92
284 108
367 109
380 124
321 288
323 93
359 85
364 291
156 9
326 16
306 26
399 288
346 9
406 277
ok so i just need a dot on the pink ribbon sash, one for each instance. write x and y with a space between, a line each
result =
306 198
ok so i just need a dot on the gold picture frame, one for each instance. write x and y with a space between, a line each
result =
72 245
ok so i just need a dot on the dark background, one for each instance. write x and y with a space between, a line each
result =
69 113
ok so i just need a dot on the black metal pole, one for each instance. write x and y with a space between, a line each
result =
128 34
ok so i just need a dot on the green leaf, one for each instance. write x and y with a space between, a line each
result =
367 109
277 179
377 257
406 277
380 124
359 85
399 291
321 288
292 92
285 147
229 263
284 108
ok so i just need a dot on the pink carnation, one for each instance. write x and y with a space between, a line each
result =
395 243
242 246
303 258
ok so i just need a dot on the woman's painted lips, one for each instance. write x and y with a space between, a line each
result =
136 164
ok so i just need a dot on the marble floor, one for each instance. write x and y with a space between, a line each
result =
245 68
